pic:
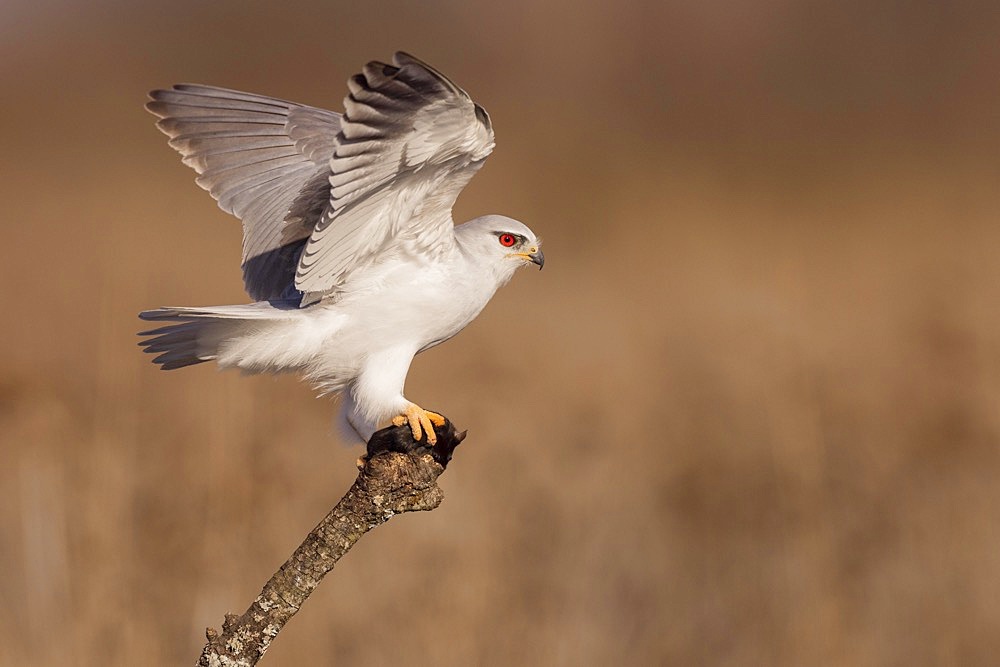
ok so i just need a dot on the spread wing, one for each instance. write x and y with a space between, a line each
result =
409 141
264 160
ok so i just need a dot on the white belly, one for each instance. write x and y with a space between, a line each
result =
401 308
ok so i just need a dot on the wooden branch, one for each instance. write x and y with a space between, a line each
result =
398 475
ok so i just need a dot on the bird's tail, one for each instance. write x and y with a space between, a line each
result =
197 335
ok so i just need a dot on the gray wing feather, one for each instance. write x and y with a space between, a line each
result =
264 160
409 141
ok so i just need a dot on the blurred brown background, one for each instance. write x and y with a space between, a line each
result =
748 414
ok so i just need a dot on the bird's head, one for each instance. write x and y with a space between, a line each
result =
502 242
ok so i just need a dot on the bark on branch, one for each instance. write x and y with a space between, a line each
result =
398 475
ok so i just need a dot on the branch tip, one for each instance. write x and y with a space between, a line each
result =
397 474
400 439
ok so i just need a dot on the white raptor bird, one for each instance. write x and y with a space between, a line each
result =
349 248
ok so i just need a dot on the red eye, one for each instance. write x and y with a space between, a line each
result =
507 240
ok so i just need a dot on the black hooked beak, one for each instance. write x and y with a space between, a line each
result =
538 258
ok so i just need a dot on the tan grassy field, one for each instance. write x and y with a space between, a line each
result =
747 415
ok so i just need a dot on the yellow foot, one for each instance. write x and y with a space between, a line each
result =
421 421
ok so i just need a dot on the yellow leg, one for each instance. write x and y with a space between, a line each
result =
421 421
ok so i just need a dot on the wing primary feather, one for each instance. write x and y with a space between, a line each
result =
230 94
180 98
242 176
230 159
189 112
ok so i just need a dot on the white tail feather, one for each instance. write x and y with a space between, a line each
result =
229 334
